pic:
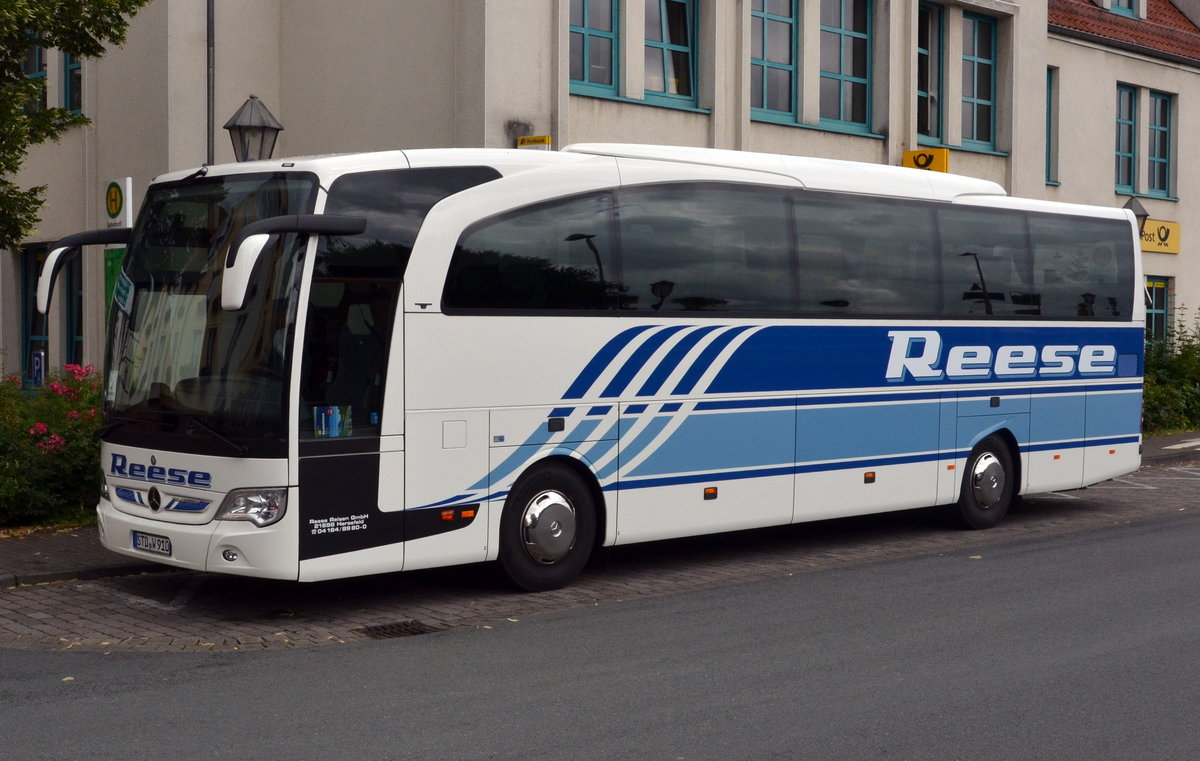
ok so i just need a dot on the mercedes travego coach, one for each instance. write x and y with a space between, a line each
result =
333 366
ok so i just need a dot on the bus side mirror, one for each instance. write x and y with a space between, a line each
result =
61 253
247 247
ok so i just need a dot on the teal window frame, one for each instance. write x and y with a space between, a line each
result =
668 53
766 24
1124 8
1126 140
72 98
931 19
582 31
1158 307
845 37
975 27
1051 125
1158 164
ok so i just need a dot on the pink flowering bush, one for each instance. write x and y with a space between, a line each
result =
49 456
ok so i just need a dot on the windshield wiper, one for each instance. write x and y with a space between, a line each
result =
195 422
115 422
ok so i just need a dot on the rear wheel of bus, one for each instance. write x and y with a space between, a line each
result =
548 528
988 485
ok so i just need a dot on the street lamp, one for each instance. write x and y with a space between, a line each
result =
1139 212
253 130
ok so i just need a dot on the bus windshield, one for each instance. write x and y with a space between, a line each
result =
183 373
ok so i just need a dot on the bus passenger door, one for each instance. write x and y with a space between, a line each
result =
349 508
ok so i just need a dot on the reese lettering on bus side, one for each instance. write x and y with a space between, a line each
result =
918 354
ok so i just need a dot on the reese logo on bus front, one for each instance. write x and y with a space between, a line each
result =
921 355
155 473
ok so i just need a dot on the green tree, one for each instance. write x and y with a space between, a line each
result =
83 28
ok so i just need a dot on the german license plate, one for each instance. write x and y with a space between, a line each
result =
152 543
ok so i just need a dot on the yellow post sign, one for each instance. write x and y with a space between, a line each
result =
933 159
535 142
1160 237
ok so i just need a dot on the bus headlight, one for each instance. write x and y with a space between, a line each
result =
262 506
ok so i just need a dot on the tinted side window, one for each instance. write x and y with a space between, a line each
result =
986 266
1082 267
395 203
865 256
556 255
706 248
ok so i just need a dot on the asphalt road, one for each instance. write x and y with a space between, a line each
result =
1076 643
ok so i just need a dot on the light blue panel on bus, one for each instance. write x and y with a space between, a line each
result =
1113 414
867 431
1056 417
725 441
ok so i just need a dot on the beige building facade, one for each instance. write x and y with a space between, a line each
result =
1007 91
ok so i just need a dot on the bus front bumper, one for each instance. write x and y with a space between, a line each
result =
234 547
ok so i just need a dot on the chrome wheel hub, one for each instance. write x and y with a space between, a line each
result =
987 480
548 527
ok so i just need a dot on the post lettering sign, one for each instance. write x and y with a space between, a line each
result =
534 142
1160 237
933 159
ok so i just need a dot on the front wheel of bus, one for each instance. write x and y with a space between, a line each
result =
987 488
547 528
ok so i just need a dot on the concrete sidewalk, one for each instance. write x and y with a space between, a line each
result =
64 554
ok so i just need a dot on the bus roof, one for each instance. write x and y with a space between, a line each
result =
812 173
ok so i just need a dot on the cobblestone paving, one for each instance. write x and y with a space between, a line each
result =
177 611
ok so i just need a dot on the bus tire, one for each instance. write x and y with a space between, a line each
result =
987 486
547 528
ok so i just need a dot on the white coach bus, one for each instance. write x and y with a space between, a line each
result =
334 366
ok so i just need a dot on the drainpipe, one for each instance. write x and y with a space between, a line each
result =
211 105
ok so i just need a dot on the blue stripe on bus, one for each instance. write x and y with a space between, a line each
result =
638 360
600 361
704 362
561 412
639 442
519 454
672 360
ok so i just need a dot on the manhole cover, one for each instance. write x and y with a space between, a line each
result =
397 629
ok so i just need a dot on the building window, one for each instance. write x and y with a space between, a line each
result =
72 83
929 71
773 56
1158 169
1051 125
670 49
1126 153
33 325
1125 7
1158 306
846 63
34 67
979 82
73 324
593 30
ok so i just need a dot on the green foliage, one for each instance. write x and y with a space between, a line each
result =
49 456
1171 399
83 28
